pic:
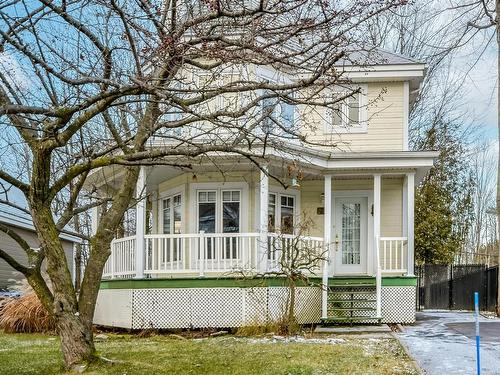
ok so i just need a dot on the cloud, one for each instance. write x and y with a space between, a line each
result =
13 71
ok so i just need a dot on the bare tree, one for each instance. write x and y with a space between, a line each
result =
294 257
86 85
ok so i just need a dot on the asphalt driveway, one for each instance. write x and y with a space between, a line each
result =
444 343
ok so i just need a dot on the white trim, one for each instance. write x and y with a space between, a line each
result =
410 177
279 191
405 207
263 191
140 226
377 196
94 219
327 227
272 74
406 113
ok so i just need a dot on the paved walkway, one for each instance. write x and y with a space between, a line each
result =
444 343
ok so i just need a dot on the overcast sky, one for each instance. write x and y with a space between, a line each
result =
480 90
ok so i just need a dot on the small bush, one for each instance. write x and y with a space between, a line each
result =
25 314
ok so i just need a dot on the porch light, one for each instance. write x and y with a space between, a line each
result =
322 197
295 183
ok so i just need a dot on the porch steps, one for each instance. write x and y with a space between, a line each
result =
351 300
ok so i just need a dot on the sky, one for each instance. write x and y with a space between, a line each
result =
480 89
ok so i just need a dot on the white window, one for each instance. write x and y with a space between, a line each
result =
349 115
281 213
275 110
219 211
172 224
172 214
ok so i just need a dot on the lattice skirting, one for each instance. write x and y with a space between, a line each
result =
227 307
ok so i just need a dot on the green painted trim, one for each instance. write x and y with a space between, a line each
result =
242 283
399 281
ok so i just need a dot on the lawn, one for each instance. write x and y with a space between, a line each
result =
39 354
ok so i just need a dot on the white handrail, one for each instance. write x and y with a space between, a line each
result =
394 254
202 253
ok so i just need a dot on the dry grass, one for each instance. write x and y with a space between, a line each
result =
24 314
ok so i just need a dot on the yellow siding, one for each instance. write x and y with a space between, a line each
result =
385 122
385 116
391 223
310 199
391 203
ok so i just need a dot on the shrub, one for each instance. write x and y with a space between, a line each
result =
25 313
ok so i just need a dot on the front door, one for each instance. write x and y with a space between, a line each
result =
350 235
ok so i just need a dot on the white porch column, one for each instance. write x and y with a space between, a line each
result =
263 206
377 187
410 211
327 228
140 223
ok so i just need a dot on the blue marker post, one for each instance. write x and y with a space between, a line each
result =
476 307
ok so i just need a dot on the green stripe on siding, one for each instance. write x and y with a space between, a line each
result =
240 283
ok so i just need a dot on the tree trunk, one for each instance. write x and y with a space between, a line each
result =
76 340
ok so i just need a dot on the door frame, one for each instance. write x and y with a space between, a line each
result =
369 228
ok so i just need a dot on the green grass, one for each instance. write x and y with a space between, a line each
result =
39 354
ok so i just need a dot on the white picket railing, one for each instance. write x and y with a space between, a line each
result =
202 253
393 254
121 262
290 250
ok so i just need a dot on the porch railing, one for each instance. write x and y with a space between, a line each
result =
393 254
291 250
121 262
202 253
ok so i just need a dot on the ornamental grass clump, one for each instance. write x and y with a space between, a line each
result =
25 314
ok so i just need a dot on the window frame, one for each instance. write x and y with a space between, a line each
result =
274 76
220 188
277 210
346 127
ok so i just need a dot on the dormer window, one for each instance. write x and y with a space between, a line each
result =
348 115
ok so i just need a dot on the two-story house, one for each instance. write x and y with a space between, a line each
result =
198 231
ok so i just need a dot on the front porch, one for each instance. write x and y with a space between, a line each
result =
233 255
234 222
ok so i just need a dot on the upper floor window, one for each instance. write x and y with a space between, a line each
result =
348 115
279 115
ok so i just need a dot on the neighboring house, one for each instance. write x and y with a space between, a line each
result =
22 224
203 226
